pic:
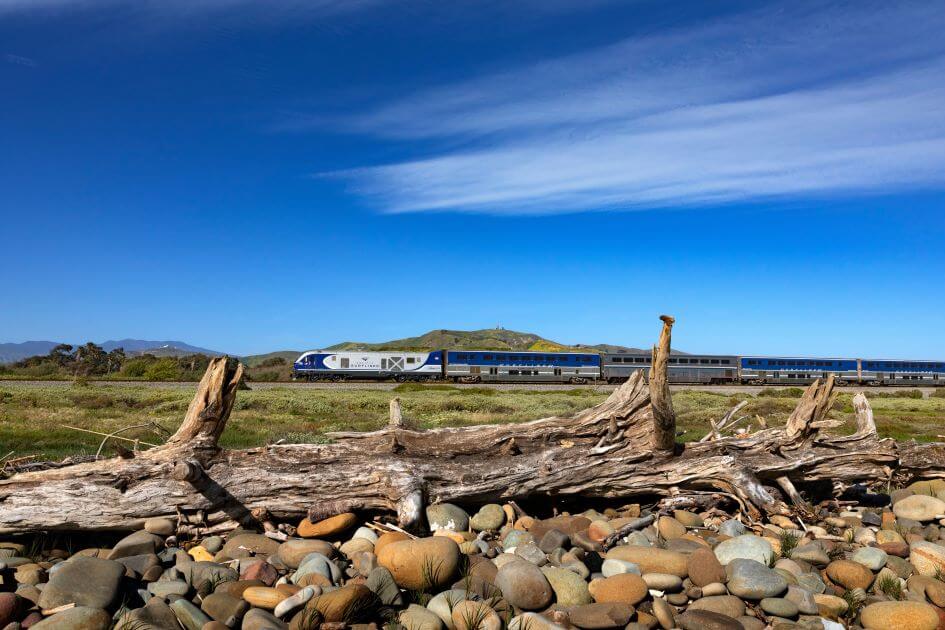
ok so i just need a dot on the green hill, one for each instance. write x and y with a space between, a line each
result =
268 359
487 339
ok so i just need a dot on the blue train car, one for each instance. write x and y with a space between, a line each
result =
341 366
796 370
890 372
490 366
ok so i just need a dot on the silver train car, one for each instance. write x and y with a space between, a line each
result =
693 368
891 372
797 370
491 366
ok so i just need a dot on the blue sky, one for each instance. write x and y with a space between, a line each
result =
249 178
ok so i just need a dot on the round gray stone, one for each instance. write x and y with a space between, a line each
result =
524 585
803 599
85 581
447 516
79 618
489 517
870 557
747 546
749 579
570 589
732 528
779 607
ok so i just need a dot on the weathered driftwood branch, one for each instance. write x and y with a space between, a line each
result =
865 425
210 408
727 421
605 451
396 414
664 418
810 413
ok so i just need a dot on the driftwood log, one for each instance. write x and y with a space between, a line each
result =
621 448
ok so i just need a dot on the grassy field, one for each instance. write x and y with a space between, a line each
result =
33 419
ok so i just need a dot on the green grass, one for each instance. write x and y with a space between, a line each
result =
789 542
891 586
32 416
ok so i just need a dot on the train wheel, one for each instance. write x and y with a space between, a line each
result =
400 378
578 380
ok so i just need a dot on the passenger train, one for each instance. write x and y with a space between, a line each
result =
497 366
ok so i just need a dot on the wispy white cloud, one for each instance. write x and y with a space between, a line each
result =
19 60
276 8
182 7
792 100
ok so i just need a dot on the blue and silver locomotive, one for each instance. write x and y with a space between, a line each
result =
341 366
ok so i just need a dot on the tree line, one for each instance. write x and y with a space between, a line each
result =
91 360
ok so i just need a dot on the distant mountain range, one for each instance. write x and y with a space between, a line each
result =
486 339
11 352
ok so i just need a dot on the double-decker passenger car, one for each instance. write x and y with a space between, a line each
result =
693 368
885 372
490 366
340 366
796 370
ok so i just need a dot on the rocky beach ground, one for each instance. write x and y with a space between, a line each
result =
844 565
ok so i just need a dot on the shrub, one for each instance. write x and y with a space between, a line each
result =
902 393
162 370
784 392
135 368
422 387
939 393
92 400
41 371
272 362
478 391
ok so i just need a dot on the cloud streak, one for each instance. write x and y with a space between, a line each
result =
184 8
19 60
784 102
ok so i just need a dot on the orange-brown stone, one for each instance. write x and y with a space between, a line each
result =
328 527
